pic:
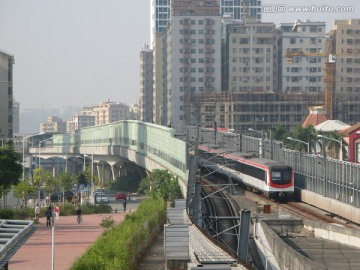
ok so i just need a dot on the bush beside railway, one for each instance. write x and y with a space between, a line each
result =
123 245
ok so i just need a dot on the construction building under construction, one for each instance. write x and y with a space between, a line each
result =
342 71
241 111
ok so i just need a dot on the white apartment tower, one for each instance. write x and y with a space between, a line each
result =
250 48
303 56
193 54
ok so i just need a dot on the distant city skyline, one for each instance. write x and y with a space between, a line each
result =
84 52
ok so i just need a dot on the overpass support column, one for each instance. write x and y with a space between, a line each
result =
114 170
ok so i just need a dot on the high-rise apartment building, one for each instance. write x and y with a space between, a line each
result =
16 117
249 54
193 55
234 9
6 94
159 80
241 9
159 17
342 71
146 84
303 56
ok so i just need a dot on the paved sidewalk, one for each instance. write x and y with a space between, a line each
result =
71 241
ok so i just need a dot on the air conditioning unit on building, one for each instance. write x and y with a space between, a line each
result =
332 58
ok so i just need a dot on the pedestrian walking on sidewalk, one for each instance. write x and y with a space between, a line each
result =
124 204
57 211
48 215
37 212
78 214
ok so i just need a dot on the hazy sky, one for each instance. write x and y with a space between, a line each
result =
82 52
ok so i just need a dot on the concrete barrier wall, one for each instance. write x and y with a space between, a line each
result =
330 205
286 257
334 232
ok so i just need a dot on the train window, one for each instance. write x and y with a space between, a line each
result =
276 175
286 175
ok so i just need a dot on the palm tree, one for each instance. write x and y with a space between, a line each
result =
278 133
307 134
333 144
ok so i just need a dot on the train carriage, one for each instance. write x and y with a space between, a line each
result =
271 178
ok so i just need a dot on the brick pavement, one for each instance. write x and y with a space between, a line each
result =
71 241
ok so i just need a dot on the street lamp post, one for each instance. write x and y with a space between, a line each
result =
335 140
85 156
296 140
40 161
261 154
92 163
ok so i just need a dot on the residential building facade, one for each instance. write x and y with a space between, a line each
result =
107 112
146 84
159 17
193 55
303 56
16 117
241 9
6 94
79 121
345 57
53 125
250 54
159 76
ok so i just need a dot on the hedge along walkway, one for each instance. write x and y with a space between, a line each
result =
120 248
71 241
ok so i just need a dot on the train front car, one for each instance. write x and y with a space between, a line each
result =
280 184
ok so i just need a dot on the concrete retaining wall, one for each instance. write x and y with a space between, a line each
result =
334 232
286 257
330 205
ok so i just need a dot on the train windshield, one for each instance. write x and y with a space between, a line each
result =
283 175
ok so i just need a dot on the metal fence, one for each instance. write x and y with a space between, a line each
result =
332 178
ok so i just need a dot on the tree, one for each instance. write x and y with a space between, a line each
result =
45 178
162 184
10 167
23 190
334 145
65 182
278 133
88 176
306 134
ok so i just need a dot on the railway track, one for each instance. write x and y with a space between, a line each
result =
302 210
220 216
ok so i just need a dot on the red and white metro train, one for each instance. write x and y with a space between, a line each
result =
271 178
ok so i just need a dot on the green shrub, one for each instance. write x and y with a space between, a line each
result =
121 246
6 214
107 222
